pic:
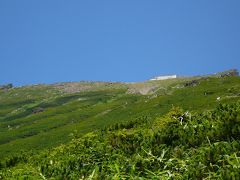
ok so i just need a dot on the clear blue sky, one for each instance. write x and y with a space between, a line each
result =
51 41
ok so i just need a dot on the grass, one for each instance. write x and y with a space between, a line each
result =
86 111
178 145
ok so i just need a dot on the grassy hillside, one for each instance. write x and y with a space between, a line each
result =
178 145
38 118
65 113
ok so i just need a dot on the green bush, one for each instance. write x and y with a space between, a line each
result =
179 145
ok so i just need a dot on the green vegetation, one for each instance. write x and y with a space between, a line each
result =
178 145
115 132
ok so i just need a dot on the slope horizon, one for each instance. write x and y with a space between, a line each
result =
113 81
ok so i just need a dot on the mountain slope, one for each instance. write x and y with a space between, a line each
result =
44 116
178 145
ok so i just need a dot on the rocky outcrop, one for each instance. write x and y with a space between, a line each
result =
231 72
6 86
191 83
37 110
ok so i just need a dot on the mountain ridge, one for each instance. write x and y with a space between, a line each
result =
38 119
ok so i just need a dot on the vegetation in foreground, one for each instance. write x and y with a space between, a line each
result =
179 145
39 117
113 132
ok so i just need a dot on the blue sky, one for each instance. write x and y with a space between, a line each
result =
116 40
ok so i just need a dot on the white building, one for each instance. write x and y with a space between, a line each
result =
164 77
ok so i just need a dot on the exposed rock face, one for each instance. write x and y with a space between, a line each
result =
142 89
38 110
191 83
232 72
6 86
84 86
229 73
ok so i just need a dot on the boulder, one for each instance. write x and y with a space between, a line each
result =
6 86
38 110
232 72
191 83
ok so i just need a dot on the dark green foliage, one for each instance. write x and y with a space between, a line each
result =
23 125
115 135
179 145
